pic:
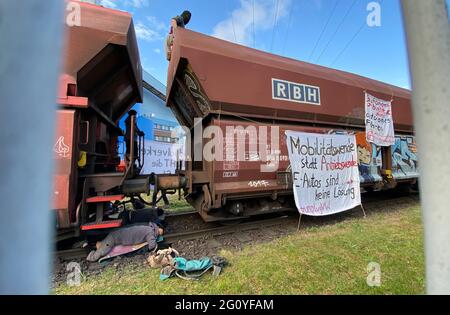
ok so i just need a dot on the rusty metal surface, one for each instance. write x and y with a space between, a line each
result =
238 80
101 58
232 85
100 80
249 170
65 171
236 179
168 181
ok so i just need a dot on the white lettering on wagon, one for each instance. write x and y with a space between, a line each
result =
258 183
295 92
230 174
61 148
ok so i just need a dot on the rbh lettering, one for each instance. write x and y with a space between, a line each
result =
295 92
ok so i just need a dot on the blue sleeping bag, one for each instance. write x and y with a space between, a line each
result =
187 269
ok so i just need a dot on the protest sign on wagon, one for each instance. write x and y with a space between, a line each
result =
325 172
379 122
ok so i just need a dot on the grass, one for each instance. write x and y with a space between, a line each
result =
328 259
175 203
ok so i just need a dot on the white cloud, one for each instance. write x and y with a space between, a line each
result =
153 30
136 3
156 24
124 3
157 50
240 24
146 33
109 3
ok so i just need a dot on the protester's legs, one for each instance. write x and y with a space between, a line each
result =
103 248
165 199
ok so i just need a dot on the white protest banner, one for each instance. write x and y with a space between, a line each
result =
379 122
325 172
161 157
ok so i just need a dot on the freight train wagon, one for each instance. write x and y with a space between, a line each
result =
101 80
212 82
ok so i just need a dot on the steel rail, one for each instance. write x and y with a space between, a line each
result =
215 230
225 229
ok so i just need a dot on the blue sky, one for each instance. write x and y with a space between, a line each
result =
291 28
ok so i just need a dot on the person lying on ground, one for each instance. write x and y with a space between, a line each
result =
155 215
132 235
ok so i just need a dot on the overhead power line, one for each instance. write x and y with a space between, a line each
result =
348 43
337 30
234 30
274 24
323 30
254 35
288 28
361 28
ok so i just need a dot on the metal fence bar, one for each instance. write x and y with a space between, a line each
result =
30 54
428 36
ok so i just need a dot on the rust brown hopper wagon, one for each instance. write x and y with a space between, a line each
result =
228 85
101 80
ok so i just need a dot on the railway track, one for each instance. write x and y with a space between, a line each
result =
174 214
72 254
221 230
215 230
287 220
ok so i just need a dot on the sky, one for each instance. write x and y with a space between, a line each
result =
331 33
